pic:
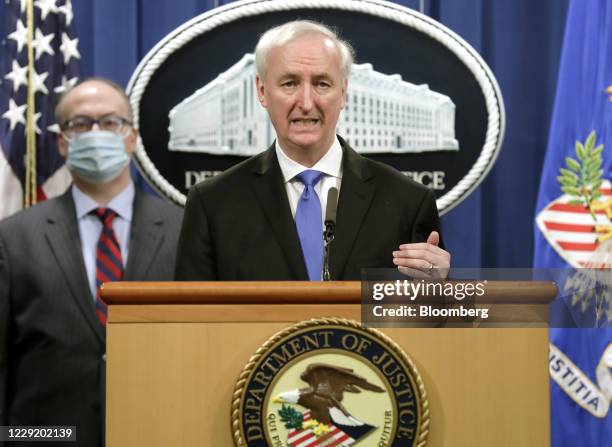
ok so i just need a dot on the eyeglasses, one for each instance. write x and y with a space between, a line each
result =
81 124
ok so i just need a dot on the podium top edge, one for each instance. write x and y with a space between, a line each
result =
290 292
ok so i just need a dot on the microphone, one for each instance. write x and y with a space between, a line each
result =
330 229
332 206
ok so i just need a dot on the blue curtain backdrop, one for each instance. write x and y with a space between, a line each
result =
519 39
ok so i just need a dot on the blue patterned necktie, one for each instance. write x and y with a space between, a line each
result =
309 223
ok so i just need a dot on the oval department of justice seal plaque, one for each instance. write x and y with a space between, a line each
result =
419 97
330 382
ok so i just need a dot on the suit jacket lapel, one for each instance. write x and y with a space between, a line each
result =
270 190
62 233
356 193
146 235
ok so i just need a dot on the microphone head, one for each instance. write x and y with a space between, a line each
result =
332 206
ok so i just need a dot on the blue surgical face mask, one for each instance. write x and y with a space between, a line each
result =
97 156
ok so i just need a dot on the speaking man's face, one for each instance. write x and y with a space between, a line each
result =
304 92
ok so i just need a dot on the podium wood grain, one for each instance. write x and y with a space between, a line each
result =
172 369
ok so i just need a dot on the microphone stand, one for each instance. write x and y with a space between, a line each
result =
328 237
330 229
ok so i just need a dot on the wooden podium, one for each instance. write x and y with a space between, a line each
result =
175 350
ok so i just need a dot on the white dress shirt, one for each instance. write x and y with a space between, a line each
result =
330 165
90 227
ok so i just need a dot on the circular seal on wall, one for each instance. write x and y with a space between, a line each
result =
419 97
325 382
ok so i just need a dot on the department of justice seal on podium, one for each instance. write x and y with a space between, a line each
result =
330 382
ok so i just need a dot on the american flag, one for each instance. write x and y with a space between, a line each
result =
56 60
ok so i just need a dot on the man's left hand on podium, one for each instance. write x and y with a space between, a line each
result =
423 259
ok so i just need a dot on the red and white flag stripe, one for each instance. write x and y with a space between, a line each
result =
11 191
307 438
571 229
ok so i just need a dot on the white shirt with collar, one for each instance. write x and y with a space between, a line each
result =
90 227
330 165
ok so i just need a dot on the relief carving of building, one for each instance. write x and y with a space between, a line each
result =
383 114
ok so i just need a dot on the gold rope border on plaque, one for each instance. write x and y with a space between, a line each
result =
238 394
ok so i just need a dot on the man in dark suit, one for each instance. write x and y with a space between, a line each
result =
54 255
263 219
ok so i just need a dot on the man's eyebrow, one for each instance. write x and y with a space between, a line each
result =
289 75
315 78
105 115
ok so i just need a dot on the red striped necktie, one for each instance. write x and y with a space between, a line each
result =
109 264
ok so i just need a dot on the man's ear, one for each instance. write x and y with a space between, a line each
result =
62 145
344 90
131 140
259 83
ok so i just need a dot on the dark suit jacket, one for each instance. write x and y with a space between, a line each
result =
51 342
238 225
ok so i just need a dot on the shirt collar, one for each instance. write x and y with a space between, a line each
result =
120 204
330 164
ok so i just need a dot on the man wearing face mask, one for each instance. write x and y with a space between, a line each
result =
54 256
